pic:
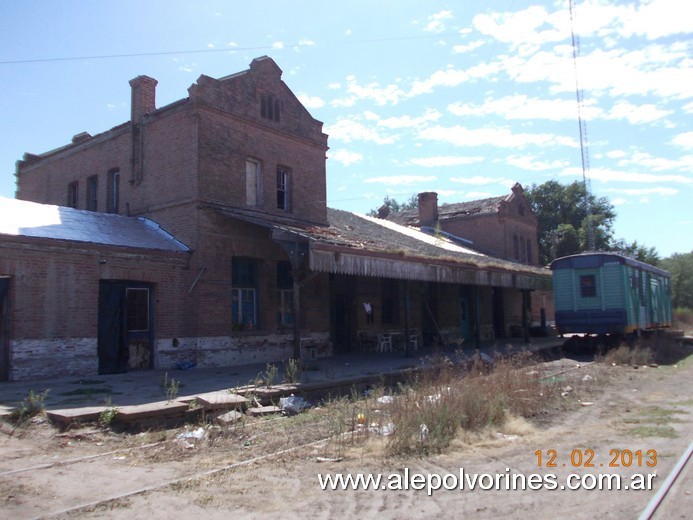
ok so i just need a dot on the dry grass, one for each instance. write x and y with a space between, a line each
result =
425 415
659 348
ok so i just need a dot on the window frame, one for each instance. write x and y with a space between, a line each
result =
114 190
92 194
244 293
588 285
135 307
73 195
253 186
283 177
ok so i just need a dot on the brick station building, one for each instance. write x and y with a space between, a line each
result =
256 268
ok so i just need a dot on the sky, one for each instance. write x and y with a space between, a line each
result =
461 98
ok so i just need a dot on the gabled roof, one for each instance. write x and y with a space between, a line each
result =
21 218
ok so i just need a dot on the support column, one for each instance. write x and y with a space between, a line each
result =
297 253
407 329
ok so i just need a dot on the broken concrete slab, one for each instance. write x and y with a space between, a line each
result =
263 410
149 410
220 399
72 415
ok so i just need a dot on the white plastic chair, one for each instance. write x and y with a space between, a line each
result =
384 343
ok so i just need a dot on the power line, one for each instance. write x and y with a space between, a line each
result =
202 51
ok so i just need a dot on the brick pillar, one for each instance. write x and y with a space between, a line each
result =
428 209
143 97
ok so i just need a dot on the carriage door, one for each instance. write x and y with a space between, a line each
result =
125 328
4 332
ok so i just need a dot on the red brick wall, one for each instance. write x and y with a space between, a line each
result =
54 294
493 233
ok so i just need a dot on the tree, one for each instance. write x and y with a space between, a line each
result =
640 252
562 214
411 203
680 267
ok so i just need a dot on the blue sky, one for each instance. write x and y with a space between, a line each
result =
462 98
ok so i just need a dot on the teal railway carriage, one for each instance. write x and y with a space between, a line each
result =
606 293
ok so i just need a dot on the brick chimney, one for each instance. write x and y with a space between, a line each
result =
428 209
143 97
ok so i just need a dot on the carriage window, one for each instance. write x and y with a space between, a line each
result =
588 286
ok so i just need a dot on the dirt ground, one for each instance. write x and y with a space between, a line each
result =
95 473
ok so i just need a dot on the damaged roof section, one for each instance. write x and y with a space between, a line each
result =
451 211
366 246
29 219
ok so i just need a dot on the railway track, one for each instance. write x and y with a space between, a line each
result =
667 486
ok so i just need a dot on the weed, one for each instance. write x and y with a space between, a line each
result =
271 372
107 415
31 406
169 387
292 371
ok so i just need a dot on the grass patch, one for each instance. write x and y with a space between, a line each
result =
654 422
651 430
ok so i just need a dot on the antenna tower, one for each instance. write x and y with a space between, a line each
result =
584 151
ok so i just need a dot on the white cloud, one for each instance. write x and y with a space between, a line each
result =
305 42
435 21
452 77
381 95
474 195
460 49
646 160
278 45
657 19
684 140
644 191
310 101
528 162
521 107
630 177
445 160
502 137
524 30
345 157
401 179
478 180
407 121
350 129
616 154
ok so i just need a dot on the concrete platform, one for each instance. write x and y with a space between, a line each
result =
139 394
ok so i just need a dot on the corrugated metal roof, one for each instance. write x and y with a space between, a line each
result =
30 219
